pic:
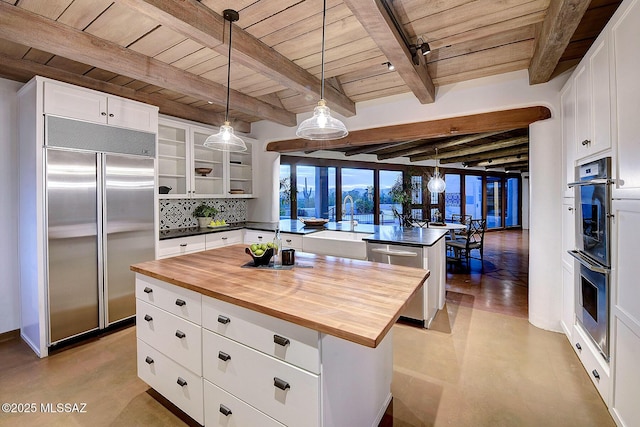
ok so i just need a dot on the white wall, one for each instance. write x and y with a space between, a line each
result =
9 279
505 91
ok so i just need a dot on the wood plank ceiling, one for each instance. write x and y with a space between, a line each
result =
173 53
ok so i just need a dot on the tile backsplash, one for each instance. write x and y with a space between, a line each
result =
177 213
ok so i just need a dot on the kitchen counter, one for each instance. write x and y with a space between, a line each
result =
350 299
406 236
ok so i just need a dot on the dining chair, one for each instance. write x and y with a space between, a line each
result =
461 219
460 249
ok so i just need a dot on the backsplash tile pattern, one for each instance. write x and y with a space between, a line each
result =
177 213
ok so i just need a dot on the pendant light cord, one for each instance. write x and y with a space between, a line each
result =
226 114
324 19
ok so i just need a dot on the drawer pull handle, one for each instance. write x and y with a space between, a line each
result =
181 382
183 245
578 346
224 238
180 334
288 240
281 340
180 303
223 356
281 384
148 290
148 360
595 374
259 237
225 411
223 319
148 318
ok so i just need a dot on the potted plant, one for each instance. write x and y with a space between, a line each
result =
204 214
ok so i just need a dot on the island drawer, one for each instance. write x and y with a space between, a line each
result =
283 340
280 390
179 339
290 240
257 236
225 410
223 238
174 299
181 245
181 386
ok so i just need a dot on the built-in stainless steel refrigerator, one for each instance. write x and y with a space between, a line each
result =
99 221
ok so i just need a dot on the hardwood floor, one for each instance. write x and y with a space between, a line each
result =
481 364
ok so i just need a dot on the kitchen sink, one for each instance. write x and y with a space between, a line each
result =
346 244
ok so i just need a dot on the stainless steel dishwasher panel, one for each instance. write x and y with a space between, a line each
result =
407 256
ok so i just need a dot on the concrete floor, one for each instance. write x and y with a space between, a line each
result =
481 364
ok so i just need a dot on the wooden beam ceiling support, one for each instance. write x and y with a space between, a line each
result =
500 161
489 146
493 154
431 148
462 125
27 28
377 147
379 24
194 20
26 69
561 21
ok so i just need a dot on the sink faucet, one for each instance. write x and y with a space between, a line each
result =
344 207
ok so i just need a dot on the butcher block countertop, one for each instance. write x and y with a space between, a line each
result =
358 301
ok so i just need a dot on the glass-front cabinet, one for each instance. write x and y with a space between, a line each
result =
187 169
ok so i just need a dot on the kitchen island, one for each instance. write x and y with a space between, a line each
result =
308 346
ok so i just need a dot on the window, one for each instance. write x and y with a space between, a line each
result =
512 206
473 196
285 191
389 180
316 191
358 183
452 199
494 202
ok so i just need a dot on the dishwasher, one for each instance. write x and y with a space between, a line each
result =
421 308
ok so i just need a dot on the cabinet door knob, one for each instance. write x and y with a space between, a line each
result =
148 318
148 360
225 411
103 114
281 384
180 303
585 142
181 382
180 334
595 374
148 290
223 319
578 346
281 340
223 356
111 115
570 209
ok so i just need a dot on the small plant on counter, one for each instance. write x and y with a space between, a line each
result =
204 213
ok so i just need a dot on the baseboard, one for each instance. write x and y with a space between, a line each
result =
10 335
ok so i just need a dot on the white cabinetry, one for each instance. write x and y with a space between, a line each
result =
595 365
170 343
290 240
626 313
223 238
181 245
568 105
258 236
181 151
568 285
61 99
593 101
626 63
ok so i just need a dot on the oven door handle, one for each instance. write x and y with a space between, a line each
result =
591 182
588 263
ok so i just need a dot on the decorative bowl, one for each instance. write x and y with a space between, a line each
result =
314 222
262 259
203 171
163 189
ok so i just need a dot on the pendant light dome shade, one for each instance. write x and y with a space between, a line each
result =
321 126
225 139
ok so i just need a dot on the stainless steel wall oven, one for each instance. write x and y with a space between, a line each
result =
593 224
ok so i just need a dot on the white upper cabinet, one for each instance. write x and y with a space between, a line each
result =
568 105
626 63
593 101
183 164
75 102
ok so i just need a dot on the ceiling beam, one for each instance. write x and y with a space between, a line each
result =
500 161
431 148
561 21
493 154
25 69
27 28
194 20
376 147
379 24
476 149
462 125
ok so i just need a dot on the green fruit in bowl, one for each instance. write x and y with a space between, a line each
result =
263 246
254 247
258 252
270 245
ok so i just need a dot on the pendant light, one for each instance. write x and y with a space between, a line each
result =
436 183
225 139
322 126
